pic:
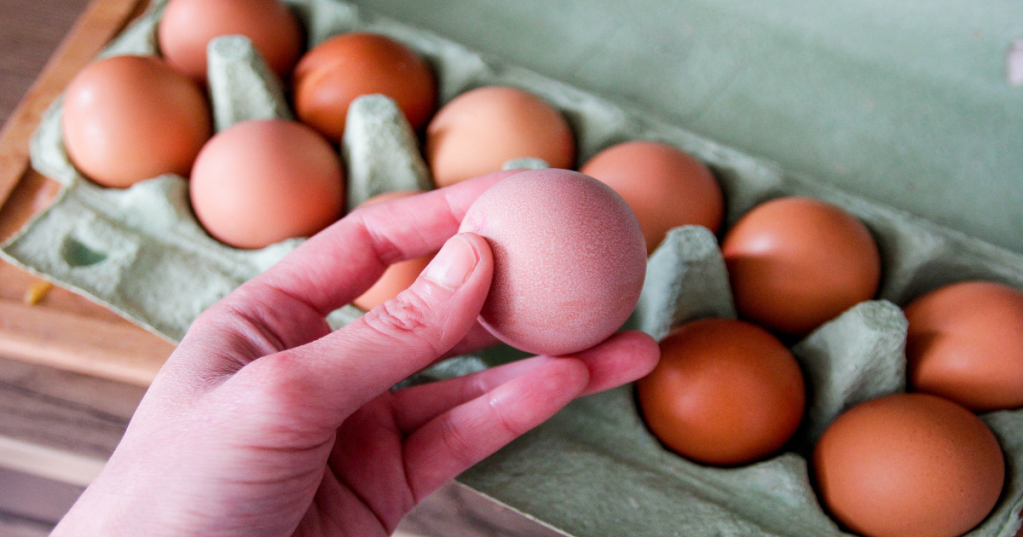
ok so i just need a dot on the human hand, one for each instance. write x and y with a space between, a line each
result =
264 422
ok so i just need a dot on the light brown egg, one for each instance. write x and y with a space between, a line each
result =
187 27
665 186
478 131
724 393
130 118
260 182
397 277
965 343
569 260
909 465
796 263
339 70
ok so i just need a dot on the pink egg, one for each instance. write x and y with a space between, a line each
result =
569 260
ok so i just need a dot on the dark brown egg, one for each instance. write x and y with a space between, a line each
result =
909 465
724 393
796 263
339 70
965 343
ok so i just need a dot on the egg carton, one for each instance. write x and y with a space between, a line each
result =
593 469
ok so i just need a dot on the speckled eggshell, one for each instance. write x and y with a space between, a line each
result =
909 465
569 260
725 392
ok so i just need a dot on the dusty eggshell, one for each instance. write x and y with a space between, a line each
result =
569 260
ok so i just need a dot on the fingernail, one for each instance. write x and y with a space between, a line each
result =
453 264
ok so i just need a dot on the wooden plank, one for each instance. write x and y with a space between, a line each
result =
49 463
70 412
101 21
14 526
31 195
112 350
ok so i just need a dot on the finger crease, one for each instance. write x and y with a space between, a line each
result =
362 499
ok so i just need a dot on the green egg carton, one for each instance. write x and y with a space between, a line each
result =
904 115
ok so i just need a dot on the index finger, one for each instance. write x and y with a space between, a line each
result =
341 262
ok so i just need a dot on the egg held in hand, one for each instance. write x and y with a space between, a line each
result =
725 393
399 276
569 260
260 182
130 118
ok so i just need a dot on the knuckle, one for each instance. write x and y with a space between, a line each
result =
407 315
459 448
506 423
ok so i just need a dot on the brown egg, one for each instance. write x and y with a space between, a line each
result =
339 70
129 118
965 343
477 132
397 277
187 27
909 465
665 187
724 393
796 263
260 182
569 260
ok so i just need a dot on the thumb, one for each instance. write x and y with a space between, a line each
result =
344 370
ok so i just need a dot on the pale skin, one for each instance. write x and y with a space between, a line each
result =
264 422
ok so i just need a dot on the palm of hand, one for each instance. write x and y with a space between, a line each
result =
264 422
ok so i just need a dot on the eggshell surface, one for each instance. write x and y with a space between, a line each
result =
332 75
965 343
796 263
130 118
725 392
663 185
909 465
187 27
480 130
397 277
569 260
260 182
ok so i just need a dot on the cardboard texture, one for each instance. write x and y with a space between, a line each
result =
593 469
